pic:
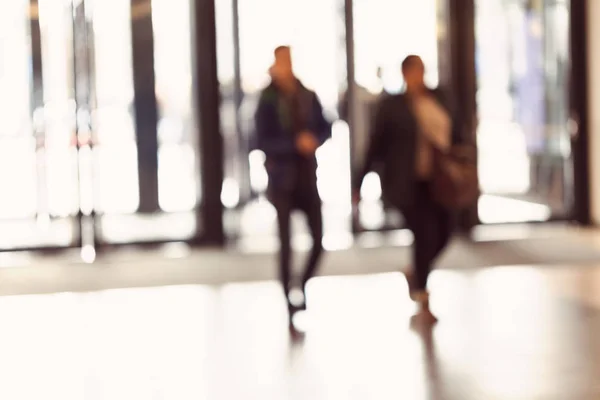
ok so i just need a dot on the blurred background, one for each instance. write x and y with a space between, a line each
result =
108 103
137 245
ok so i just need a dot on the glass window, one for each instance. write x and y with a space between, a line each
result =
237 164
58 155
17 145
385 32
38 175
315 30
116 188
177 171
318 53
15 69
225 41
524 148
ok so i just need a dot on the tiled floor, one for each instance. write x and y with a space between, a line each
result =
504 333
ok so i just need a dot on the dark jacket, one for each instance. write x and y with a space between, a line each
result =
393 147
276 131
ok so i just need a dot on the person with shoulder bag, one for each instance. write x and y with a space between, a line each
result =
428 173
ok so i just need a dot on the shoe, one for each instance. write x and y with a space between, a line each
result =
297 300
423 320
424 314
296 335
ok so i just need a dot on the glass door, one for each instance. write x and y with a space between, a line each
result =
77 148
144 169
38 161
385 32
178 183
522 59
320 62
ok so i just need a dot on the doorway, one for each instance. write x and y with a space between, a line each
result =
525 155
72 148
247 34
253 30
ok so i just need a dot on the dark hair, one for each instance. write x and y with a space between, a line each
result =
410 61
279 49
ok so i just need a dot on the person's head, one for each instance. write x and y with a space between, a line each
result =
282 69
413 71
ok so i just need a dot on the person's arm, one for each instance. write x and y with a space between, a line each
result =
376 143
323 126
268 137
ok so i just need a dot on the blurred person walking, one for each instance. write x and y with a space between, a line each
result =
409 129
290 127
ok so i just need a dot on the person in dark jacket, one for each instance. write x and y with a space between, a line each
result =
290 127
407 129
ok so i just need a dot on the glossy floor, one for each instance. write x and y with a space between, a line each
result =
504 333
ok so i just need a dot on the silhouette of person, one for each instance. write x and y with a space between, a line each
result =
408 128
290 127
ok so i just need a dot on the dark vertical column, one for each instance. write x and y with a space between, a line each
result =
350 92
462 47
82 87
96 230
81 61
444 42
145 108
351 76
579 110
37 104
457 73
206 88
558 169
243 147
237 78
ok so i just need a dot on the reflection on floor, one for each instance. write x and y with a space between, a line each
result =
121 228
258 218
504 333
254 259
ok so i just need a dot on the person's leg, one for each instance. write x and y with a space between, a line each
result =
425 246
411 222
309 202
314 218
421 220
445 222
431 226
283 206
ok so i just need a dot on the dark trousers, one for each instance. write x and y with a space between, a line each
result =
431 226
304 196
